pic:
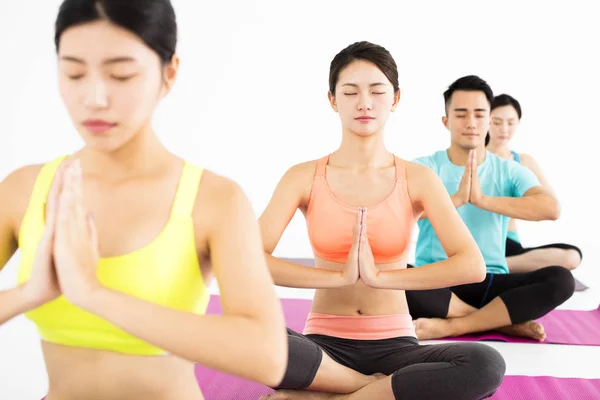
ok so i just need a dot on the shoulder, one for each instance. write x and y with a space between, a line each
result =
18 185
302 171
15 193
527 160
421 180
218 191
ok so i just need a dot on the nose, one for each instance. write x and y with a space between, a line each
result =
95 94
471 121
365 103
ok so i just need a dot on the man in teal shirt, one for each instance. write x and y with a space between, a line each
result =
487 191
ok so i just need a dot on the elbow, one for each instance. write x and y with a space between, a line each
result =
274 370
274 360
554 213
550 210
477 269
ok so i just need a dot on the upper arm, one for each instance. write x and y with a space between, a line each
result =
529 162
429 195
15 191
289 195
521 178
236 252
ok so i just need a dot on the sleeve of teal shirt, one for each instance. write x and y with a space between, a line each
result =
426 161
521 179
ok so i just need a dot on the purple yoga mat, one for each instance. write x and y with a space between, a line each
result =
561 326
218 386
546 388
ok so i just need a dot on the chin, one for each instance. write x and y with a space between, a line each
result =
364 131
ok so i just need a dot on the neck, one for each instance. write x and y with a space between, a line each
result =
137 157
501 150
459 155
362 152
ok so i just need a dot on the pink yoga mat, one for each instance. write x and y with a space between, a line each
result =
562 326
218 386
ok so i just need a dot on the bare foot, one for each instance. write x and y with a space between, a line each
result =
300 395
432 328
530 329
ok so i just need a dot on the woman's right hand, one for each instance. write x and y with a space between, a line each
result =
350 273
42 285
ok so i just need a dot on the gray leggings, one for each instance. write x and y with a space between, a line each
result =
458 371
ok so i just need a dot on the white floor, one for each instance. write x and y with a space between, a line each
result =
22 373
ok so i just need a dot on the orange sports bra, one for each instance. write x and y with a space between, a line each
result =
330 221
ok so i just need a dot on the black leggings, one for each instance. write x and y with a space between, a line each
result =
527 296
514 248
459 371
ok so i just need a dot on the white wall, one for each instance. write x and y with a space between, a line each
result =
255 75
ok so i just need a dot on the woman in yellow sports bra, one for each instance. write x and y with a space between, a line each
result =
120 240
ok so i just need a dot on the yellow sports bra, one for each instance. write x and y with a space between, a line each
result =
165 272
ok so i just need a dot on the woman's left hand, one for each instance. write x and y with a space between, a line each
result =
366 262
76 242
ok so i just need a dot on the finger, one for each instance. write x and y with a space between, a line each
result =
53 195
78 201
65 200
92 229
356 230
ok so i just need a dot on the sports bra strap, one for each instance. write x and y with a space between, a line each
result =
185 197
400 168
321 166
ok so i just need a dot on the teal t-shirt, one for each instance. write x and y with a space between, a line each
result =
498 178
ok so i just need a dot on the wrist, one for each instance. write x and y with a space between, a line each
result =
26 298
457 200
90 298
481 202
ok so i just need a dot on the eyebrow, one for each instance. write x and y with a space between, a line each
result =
465 110
113 60
371 85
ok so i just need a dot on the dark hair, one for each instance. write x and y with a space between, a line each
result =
501 101
470 83
152 20
364 51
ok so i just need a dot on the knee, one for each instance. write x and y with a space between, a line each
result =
572 259
562 284
487 364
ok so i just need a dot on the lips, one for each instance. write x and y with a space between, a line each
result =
98 125
364 118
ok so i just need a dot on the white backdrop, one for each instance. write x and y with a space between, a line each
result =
251 100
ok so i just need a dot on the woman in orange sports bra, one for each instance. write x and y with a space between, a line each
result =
120 240
361 204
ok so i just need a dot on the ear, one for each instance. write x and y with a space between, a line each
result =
445 121
332 101
396 100
170 73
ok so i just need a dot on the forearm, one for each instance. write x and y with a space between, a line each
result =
459 269
252 348
289 274
13 302
529 208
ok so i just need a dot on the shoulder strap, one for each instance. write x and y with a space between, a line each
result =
400 168
322 166
185 197
516 156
